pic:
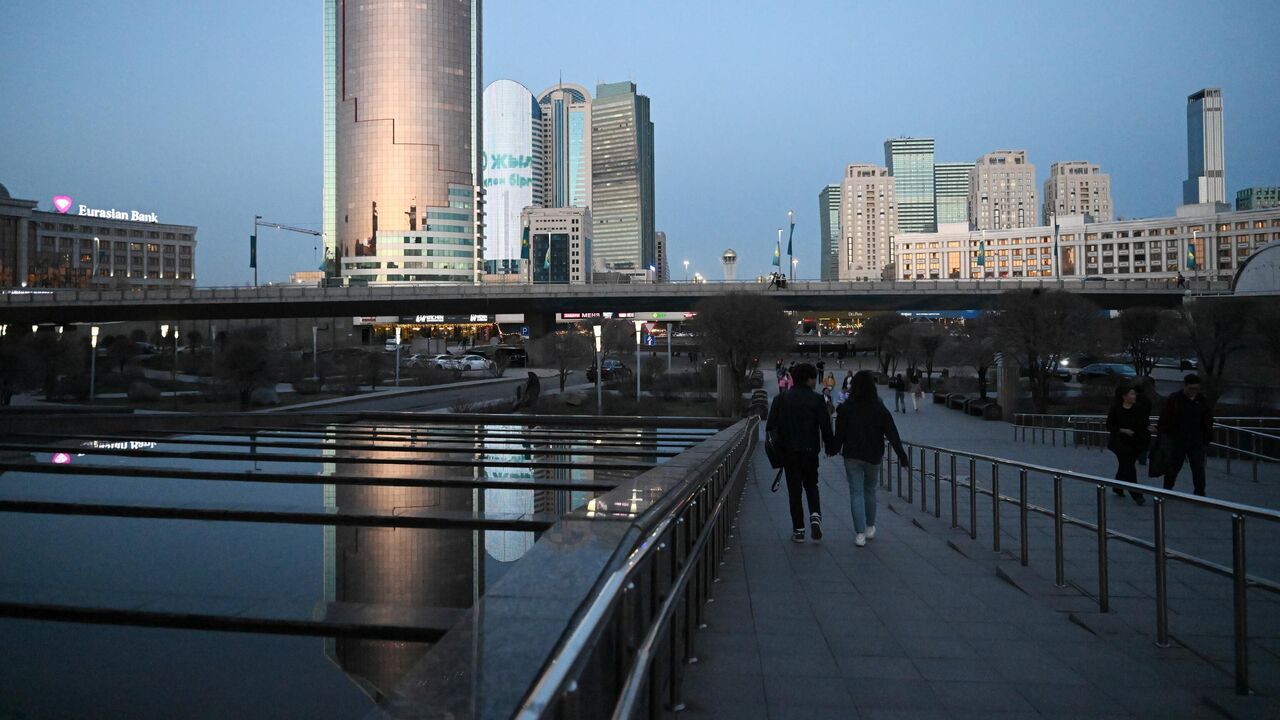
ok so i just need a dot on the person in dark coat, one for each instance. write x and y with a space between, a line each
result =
802 427
863 424
1186 424
1127 422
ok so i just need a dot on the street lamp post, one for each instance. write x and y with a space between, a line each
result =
791 225
639 331
599 371
397 356
93 360
174 374
668 347
1195 267
315 357
686 271
794 261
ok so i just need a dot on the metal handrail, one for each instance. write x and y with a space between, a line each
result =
1238 512
661 549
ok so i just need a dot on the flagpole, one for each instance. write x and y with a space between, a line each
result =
791 258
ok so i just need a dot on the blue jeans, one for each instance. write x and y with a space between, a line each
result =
863 478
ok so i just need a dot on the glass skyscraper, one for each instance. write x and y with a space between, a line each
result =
910 162
566 141
829 222
951 192
329 203
512 171
1206 181
622 177
406 140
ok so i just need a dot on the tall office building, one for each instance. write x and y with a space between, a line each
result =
662 270
1257 198
559 244
829 227
406 140
329 114
622 177
566 145
910 162
868 222
512 170
1002 191
1206 165
951 192
1077 188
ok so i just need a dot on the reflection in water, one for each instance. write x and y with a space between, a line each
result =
397 566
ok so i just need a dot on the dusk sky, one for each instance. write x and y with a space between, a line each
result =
208 113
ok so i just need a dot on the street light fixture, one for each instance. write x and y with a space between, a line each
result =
686 271
599 371
93 360
397 356
639 330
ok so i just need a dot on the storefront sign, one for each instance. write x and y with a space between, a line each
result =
64 203
429 319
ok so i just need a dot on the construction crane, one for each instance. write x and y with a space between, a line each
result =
253 240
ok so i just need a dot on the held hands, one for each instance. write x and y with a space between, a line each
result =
1126 431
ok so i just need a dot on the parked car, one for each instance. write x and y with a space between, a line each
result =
390 345
1104 371
612 370
514 356
468 362
1179 363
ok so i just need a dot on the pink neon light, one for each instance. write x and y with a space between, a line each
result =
62 203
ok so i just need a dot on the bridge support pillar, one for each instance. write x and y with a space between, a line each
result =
540 324
1008 387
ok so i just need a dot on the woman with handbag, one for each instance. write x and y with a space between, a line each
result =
1127 422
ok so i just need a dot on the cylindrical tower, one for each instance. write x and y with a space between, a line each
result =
730 262
408 134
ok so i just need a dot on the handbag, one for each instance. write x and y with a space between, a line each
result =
1159 460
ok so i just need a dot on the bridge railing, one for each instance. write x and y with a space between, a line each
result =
947 467
1250 441
625 651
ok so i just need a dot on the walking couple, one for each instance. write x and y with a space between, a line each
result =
799 421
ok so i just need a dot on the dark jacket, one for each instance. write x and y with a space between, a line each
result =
862 426
1187 421
800 417
1136 419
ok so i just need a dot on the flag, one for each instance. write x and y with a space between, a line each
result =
982 252
777 254
1191 256
524 244
546 261
791 235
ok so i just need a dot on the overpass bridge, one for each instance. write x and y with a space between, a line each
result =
291 301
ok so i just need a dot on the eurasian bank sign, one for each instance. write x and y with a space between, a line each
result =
64 203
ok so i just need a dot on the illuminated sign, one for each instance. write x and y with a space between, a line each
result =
63 204
508 174
445 319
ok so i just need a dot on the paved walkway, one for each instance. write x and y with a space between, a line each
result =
924 622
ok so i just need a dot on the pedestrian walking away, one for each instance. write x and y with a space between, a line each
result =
1127 422
899 386
785 382
799 422
863 424
1185 428
829 382
917 392
777 368
847 384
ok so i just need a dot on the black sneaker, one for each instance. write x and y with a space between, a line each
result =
797 536
815 526
1118 491
1140 498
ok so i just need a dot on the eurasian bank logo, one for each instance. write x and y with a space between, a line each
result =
61 203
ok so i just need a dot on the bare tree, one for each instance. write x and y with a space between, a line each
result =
1039 327
974 347
1216 330
1140 335
617 339
247 361
875 333
738 328
929 339
563 350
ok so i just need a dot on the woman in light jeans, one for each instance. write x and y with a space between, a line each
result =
863 424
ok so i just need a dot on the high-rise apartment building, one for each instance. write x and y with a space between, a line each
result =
868 222
622 177
829 229
1077 188
512 170
407 158
910 162
951 192
1257 198
1002 191
566 145
1206 165
662 270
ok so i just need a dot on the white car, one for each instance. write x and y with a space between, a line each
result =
469 362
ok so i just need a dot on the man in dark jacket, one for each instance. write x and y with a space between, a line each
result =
802 427
863 424
1187 426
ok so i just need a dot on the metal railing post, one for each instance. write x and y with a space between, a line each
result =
1022 517
1059 563
1162 590
995 507
937 484
954 504
1240 581
973 499
899 473
924 477
1104 584
911 482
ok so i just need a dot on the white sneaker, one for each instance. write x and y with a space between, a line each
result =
860 540
871 531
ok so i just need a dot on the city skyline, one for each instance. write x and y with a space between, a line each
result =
245 138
